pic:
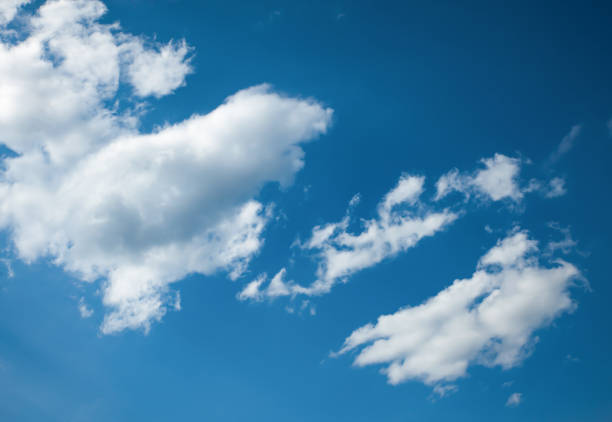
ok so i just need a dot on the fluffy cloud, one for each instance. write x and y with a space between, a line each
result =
158 73
496 181
489 318
136 210
400 224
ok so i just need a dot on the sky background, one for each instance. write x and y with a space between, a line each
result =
416 87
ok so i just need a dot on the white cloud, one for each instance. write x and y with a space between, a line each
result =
489 318
400 224
355 200
566 143
564 245
496 181
84 310
534 185
9 267
451 181
136 210
177 302
158 73
9 8
276 287
252 290
514 399
407 191
556 188
402 221
445 390
59 85
509 250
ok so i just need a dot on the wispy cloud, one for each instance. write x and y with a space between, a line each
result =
556 188
401 223
9 267
572 358
566 144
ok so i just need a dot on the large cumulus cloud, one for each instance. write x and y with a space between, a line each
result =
86 188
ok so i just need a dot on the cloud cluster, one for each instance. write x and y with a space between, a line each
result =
489 318
137 210
403 219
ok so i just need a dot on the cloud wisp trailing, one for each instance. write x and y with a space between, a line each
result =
400 224
489 318
135 210
566 144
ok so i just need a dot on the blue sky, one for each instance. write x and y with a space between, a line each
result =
305 211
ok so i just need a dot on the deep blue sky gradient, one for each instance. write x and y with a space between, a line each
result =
417 87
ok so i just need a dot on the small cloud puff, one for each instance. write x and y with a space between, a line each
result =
514 400
84 310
